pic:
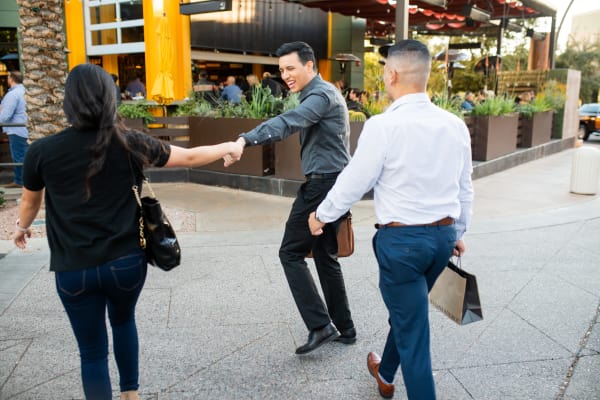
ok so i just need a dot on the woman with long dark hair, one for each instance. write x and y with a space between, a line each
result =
87 171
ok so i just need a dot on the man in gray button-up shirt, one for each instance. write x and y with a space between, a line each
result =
322 122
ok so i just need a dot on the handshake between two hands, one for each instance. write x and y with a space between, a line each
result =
235 152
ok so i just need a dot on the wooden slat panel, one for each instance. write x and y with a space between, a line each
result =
168 132
172 120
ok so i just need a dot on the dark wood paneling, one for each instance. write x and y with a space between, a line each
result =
257 160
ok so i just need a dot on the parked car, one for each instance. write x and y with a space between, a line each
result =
589 120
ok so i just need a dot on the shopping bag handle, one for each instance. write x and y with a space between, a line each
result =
458 261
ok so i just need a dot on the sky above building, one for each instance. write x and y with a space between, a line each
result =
578 7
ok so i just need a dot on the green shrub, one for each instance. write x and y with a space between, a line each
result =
539 104
135 110
2 199
499 105
451 104
357 116
263 105
553 95
195 107
291 101
376 105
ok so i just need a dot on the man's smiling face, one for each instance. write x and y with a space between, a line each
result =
293 73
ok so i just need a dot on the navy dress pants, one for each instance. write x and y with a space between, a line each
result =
410 260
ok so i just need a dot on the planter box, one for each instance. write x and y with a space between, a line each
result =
5 156
134 123
287 153
492 136
535 130
174 130
256 160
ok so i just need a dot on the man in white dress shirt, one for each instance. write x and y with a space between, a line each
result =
417 159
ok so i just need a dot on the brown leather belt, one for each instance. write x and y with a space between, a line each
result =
442 222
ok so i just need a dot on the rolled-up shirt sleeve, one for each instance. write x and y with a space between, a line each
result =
306 114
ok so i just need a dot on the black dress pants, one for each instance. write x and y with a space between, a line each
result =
297 243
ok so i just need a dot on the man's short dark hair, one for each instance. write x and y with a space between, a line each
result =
304 51
16 76
406 46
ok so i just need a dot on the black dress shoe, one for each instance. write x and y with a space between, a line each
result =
318 337
347 336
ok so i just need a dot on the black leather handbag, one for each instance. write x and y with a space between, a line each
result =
157 236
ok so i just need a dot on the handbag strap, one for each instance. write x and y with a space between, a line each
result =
145 181
136 194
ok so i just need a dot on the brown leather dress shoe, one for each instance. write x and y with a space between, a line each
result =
386 390
13 185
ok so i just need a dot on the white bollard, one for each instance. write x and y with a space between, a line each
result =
585 170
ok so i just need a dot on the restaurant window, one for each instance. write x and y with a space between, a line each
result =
9 55
114 26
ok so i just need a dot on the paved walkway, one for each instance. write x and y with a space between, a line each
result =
224 326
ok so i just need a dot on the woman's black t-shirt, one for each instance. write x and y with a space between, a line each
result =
83 234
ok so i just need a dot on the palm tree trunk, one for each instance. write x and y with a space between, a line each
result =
44 62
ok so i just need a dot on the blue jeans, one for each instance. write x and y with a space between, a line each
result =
410 260
86 295
18 148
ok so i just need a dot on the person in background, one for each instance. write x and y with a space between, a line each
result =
523 98
117 88
231 92
136 88
277 89
468 103
420 174
341 86
253 82
13 111
364 97
321 119
204 88
353 102
85 175
480 96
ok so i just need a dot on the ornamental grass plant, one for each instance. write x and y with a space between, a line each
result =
451 104
262 105
495 106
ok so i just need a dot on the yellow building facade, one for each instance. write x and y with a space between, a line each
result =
153 39
128 37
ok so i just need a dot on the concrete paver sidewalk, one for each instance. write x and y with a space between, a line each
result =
223 325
